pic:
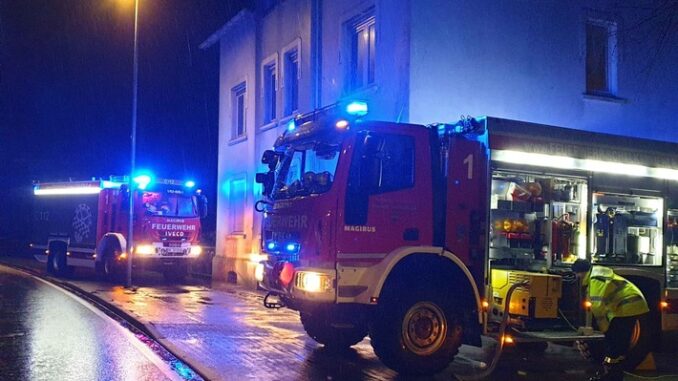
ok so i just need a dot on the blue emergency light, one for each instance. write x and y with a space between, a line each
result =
291 125
143 180
357 108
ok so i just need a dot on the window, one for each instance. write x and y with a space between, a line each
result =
362 50
382 163
397 162
270 92
238 99
236 201
167 204
307 170
291 66
601 58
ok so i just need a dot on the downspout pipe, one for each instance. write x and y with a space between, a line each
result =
316 52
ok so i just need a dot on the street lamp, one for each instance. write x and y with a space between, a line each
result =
135 80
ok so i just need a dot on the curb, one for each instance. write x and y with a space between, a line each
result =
111 309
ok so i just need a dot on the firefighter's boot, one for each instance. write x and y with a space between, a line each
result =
612 370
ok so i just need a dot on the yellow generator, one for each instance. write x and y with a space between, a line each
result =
539 302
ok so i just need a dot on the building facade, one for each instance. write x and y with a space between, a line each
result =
590 65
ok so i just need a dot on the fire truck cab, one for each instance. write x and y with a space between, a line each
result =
417 234
85 224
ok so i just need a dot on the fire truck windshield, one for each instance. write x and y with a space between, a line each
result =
167 204
306 170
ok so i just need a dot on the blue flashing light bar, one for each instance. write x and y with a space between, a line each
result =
291 125
142 181
95 186
357 108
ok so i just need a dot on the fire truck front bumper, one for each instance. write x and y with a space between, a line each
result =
159 250
161 263
297 285
158 258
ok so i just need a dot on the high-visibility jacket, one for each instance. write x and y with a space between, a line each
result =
612 296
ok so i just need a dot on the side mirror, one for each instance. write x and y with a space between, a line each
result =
201 202
270 158
266 179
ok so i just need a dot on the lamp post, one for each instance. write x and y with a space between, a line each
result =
135 80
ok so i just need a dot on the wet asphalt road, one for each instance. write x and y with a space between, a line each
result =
227 334
232 337
45 334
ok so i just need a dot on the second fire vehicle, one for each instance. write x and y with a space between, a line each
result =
85 224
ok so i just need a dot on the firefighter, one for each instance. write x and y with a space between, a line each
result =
616 304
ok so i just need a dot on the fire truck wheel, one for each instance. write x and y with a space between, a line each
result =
641 345
111 268
318 327
56 263
418 334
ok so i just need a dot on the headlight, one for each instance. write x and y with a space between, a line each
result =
292 247
259 272
196 250
271 246
145 250
282 247
313 281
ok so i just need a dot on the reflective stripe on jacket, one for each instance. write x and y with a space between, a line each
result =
613 296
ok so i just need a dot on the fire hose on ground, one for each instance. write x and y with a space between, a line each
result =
502 330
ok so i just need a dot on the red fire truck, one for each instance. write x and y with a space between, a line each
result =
85 224
416 234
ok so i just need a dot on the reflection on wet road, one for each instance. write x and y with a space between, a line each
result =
233 337
226 333
45 334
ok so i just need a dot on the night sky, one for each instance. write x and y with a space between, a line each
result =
66 93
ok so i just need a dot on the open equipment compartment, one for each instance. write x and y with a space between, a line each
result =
627 229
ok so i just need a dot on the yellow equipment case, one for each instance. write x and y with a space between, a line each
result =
540 301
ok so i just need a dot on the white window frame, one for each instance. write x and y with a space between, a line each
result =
352 28
265 64
235 137
293 46
233 204
612 57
